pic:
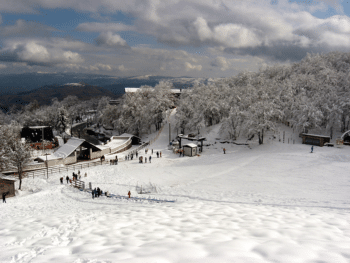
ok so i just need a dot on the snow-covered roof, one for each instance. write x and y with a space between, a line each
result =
4 177
69 147
131 90
192 145
38 127
316 135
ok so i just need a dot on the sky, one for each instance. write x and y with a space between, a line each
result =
194 38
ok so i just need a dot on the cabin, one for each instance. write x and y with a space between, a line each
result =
7 185
190 149
317 140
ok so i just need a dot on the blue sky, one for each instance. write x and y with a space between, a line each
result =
196 38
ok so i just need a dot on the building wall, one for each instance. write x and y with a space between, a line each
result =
7 186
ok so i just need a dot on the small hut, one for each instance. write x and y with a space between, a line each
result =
190 149
7 185
317 140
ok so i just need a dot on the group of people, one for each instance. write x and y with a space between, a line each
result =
115 161
75 177
141 159
97 192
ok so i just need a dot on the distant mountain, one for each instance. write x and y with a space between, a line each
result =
16 83
45 94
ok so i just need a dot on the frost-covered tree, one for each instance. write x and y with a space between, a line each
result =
14 151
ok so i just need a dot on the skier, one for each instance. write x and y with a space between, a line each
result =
85 174
157 154
129 194
150 158
95 191
4 197
137 154
224 151
160 154
98 191
312 149
61 179
67 178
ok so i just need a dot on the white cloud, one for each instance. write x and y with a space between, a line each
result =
111 40
189 67
222 63
37 52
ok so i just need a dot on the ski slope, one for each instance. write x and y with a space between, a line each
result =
271 203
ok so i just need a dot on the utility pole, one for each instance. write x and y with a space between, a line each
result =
169 133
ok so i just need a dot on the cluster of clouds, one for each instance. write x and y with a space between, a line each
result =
234 34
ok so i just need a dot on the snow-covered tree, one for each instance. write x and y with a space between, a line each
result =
14 151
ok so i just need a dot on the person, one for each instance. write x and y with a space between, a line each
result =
4 197
132 156
152 151
85 174
150 158
61 179
157 154
95 190
98 192
160 154
67 178
126 158
137 154
224 151
312 149
129 194
93 193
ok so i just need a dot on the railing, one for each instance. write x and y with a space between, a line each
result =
78 184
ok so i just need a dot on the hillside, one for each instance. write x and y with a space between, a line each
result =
45 94
271 203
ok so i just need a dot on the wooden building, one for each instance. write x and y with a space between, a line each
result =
317 140
7 185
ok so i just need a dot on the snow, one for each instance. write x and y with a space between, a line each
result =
271 203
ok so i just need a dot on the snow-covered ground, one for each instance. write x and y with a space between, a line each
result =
271 203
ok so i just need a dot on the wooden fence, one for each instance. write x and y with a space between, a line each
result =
56 170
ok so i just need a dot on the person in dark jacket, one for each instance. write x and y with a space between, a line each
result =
157 154
61 179
4 197
67 178
150 158
95 190
98 192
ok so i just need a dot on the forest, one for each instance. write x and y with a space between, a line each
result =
311 94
